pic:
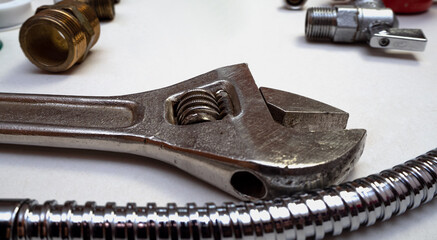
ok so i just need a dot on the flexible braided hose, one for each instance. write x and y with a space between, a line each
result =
313 214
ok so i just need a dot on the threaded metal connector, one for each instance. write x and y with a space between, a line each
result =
59 36
365 21
104 8
320 23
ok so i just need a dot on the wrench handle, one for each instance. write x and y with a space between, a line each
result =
58 120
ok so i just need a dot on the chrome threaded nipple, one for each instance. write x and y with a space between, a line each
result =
321 23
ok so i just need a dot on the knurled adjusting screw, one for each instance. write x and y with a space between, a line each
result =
59 36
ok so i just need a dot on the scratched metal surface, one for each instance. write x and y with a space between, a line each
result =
153 44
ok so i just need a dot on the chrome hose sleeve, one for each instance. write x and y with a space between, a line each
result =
314 214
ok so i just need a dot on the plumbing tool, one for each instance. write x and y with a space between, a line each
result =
365 21
311 215
252 143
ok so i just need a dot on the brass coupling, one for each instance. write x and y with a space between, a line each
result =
104 8
59 36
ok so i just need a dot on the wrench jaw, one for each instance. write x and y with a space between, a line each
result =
319 160
320 121
303 114
314 167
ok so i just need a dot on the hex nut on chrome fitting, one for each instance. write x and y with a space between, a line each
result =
104 8
59 36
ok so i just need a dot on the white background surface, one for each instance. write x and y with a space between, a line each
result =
153 44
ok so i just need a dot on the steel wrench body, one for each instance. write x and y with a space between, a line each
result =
236 144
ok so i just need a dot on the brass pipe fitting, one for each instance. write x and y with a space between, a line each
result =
104 8
59 36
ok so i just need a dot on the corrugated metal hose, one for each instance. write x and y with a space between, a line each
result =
314 214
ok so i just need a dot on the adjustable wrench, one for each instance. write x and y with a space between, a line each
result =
252 143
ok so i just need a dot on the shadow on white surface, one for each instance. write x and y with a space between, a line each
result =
101 175
392 54
367 52
24 74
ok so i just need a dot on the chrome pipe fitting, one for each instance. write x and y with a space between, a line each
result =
345 23
365 21
59 36
314 214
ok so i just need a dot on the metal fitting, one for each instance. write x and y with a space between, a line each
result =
294 4
398 6
104 8
59 36
365 21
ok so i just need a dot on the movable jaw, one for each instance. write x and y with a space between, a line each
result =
220 127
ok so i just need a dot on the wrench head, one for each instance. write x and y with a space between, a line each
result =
252 143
